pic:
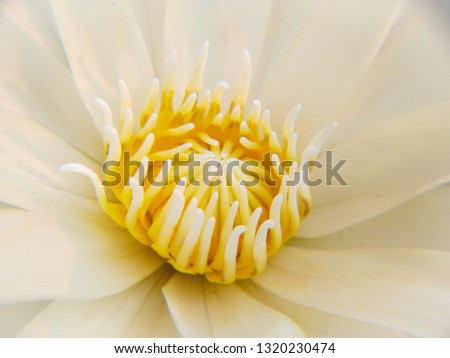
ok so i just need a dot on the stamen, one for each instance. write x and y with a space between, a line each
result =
148 126
208 140
127 126
95 180
260 248
113 141
137 199
188 104
224 228
253 117
152 100
240 97
289 124
189 242
236 115
218 92
106 111
229 267
265 123
204 102
145 148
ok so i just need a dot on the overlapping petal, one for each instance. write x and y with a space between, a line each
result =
388 163
103 43
403 289
419 223
356 275
202 309
78 254
139 311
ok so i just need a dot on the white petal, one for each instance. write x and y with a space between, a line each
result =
34 154
202 309
140 311
402 289
414 14
103 43
321 324
388 163
35 19
316 323
413 72
328 57
16 315
230 27
419 223
79 254
150 15
286 19
38 86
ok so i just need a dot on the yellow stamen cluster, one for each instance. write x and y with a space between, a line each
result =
225 231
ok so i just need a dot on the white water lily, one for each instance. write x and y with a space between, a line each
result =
370 260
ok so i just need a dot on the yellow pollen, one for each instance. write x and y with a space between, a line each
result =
193 181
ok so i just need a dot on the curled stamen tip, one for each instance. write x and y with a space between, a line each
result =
200 228
205 47
122 83
106 110
69 167
258 211
124 91
108 128
297 107
100 101
223 85
203 102
133 182
236 114
312 149
247 57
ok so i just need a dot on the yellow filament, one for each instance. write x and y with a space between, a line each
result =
225 230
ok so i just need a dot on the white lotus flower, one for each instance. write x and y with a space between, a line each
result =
372 258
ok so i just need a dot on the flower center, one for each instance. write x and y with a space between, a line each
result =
212 191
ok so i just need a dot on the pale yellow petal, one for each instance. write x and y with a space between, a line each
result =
33 154
420 223
402 289
230 27
202 309
139 311
388 163
36 85
79 254
103 43
16 315
331 52
316 323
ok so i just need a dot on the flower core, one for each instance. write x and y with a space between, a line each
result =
225 223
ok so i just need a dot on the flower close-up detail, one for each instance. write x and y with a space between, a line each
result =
323 127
